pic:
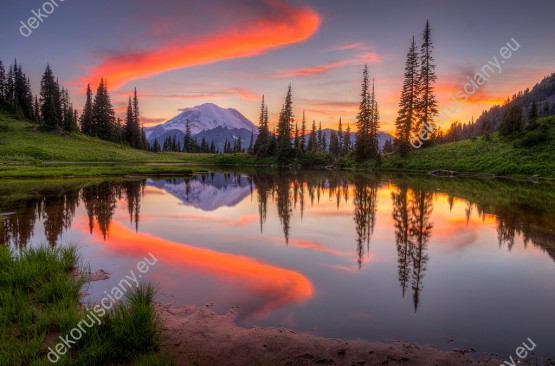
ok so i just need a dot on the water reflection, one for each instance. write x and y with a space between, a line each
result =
411 213
55 207
517 209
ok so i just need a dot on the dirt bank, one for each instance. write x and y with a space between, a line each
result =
200 337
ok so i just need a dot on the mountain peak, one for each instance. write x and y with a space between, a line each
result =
203 117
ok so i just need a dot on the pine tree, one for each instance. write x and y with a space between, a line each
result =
156 146
374 125
119 131
512 122
427 106
9 89
67 111
312 140
297 141
138 131
303 134
532 117
86 116
486 129
238 145
347 140
50 110
3 84
22 103
251 143
340 138
388 146
103 113
36 113
334 144
406 117
187 146
128 133
362 143
320 139
263 138
284 128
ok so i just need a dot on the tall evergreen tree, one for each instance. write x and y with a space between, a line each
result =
187 140
87 126
3 84
144 141
303 134
103 114
512 122
320 139
347 140
36 110
9 89
312 139
427 106
406 117
388 146
532 117
362 142
20 97
133 132
139 135
297 142
340 137
251 143
374 125
263 138
128 128
334 144
284 128
50 100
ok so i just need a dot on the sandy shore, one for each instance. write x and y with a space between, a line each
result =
200 337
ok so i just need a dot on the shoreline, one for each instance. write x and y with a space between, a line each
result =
69 170
197 335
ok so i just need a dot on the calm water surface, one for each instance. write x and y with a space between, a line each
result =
456 263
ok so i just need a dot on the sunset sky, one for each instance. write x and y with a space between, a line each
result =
183 53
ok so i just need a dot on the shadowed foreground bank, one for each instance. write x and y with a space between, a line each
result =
200 337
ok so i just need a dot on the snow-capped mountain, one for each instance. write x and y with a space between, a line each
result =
204 117
215 124
207 192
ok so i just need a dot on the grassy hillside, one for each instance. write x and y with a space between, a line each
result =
22 142
498 156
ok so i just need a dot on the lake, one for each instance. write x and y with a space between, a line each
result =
456 263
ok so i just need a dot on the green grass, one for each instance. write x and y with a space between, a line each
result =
39 301
22 142
497 157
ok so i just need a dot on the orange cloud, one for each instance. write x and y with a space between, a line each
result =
287 25
369 57
351 46
314 70
273 286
